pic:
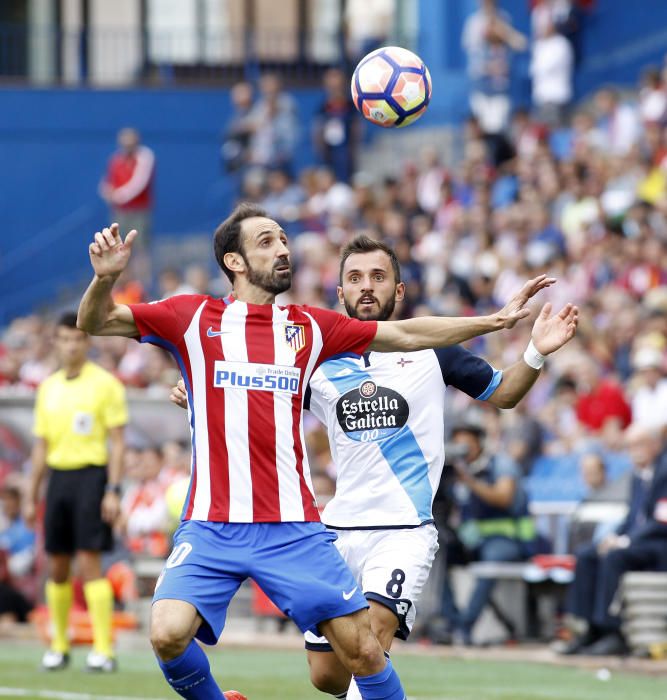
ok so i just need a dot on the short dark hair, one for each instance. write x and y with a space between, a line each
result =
11 492
68 319
365 244
227 237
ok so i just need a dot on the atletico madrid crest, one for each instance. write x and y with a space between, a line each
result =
295 336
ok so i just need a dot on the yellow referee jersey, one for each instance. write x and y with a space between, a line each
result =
74 416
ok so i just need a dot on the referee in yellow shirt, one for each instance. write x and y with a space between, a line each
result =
80 414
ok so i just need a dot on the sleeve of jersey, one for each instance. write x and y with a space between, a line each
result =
39 427
342 335
165 320
467 372
115 408
313 401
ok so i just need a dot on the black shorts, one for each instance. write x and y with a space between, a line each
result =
73 519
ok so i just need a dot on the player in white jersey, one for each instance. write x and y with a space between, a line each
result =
384 417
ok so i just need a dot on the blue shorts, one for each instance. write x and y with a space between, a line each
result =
295 564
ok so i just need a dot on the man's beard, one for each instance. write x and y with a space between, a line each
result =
272 282
383 313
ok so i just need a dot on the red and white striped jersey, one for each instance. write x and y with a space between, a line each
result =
246 368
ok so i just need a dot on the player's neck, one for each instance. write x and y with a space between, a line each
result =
250 294
73 370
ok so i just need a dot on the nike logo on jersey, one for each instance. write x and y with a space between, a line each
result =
347 596
214 334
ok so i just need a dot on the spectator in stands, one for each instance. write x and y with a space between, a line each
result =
77 410
145 517
564 15
283 198
617 121
26 356
127 188
336 128
600 400
171 283
649 399
239 129
495 524
523 437
488 38
17 557
330 198
274 124
14 606
639 543
197 277
652 98
16 538
593 472
551 70
367 26
585 529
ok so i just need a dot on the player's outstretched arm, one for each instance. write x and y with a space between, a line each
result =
98 314
549 334
434 332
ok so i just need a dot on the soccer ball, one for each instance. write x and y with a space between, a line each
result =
391 86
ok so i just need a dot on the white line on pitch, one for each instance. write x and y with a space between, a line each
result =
64 695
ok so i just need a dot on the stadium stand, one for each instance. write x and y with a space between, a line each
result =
469 220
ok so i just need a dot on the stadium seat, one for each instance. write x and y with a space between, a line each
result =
642 597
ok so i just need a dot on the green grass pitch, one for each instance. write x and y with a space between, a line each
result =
282 675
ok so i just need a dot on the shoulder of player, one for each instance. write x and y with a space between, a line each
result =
180 300
306 310
318 312
97 373
195 300
52 380
416 358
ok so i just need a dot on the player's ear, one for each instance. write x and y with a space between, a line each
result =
341 298
234 262
400 291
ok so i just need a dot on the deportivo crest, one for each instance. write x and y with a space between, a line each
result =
295 336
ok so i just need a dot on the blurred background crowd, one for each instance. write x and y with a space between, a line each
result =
576 189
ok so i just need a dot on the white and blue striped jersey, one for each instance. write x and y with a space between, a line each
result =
384 416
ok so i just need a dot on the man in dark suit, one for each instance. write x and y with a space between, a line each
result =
640 543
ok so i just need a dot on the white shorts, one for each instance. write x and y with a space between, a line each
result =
391 567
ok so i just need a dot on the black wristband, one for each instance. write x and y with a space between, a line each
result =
113 488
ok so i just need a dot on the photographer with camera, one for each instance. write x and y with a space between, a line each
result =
491 519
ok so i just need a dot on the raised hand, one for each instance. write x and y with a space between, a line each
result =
109 254
515 309
552 332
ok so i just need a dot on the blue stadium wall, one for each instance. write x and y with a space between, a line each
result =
54 144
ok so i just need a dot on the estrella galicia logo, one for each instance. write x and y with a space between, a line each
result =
371 412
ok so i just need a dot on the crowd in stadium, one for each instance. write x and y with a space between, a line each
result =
575 191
